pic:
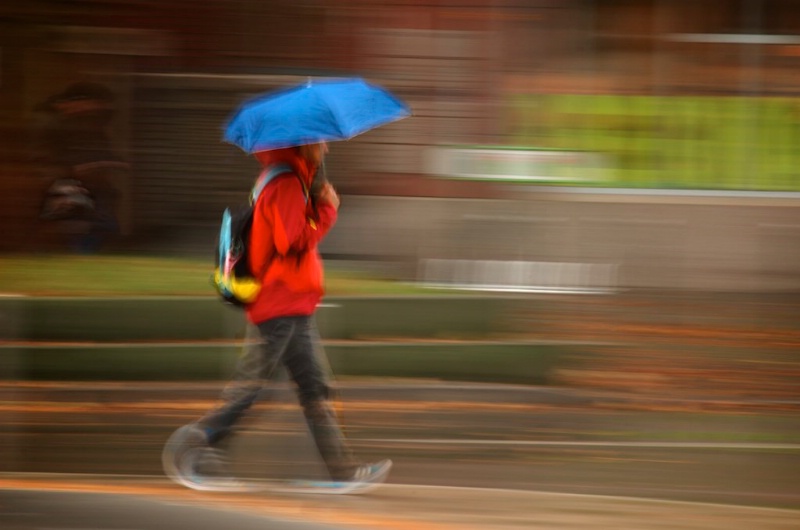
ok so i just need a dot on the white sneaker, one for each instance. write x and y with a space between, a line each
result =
366 478
372 473
189 460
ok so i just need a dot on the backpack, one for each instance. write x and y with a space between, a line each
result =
233 280
66 198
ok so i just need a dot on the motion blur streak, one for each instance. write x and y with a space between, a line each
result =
573 270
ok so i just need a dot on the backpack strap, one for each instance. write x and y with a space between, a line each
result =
270 173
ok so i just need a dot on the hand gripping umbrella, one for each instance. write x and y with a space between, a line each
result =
318 111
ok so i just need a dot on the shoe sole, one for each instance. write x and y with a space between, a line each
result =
176 470
338 488
174 447
176 473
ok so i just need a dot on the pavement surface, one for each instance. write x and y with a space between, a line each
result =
467 456
118 502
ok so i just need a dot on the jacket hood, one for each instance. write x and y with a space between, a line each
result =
288 155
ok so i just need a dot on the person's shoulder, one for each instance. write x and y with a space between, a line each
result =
287 180
284 173
287 184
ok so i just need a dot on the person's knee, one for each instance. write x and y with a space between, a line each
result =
312 393
317 409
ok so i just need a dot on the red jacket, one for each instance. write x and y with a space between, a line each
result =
283 241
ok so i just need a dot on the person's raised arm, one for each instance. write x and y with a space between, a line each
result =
293 230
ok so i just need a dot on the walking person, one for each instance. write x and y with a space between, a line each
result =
287 132
84 174
288 225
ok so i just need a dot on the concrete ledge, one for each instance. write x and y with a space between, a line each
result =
413 316
199 338
206 318
117 319
477 361
117 362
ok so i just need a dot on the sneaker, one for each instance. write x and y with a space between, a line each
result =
366 478
372 473
189 460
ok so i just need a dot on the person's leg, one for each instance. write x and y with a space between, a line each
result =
309 375
255 366
104 224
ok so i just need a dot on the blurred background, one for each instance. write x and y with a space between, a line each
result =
618 179
622 143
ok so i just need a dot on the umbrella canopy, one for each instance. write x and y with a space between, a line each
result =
319 111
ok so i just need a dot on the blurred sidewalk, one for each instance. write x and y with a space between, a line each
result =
392 507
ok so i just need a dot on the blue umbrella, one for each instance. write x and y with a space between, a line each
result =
318 111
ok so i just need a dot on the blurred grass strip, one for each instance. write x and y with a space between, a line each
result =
679 142
67 275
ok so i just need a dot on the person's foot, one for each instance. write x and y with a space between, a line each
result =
374 473
366 477
189 460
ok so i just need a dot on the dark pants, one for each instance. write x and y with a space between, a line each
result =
292 342
103 183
